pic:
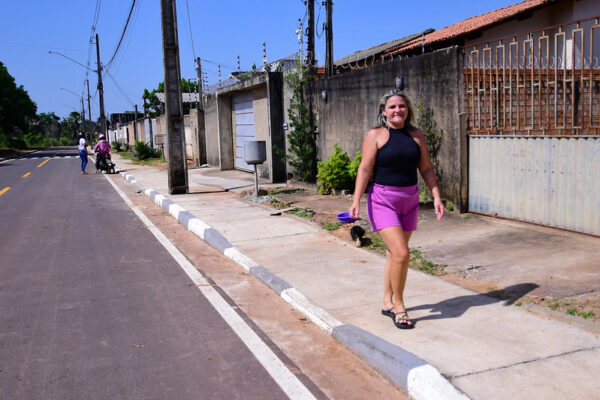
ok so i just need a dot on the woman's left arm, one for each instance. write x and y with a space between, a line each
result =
428 173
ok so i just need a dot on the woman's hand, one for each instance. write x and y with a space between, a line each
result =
439 208
354 210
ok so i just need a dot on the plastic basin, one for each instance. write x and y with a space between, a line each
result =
345 217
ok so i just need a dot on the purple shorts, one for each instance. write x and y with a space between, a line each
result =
393 206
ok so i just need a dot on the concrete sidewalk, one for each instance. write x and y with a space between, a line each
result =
465 344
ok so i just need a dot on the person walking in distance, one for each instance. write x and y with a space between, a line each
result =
392 153
82 147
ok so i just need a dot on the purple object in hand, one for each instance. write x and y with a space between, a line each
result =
345 217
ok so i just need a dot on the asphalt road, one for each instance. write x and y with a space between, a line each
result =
93 306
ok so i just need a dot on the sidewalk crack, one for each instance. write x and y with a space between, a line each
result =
524 362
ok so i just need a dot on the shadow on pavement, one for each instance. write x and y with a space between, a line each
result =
457 306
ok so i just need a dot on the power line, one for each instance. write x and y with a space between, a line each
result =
190 25
122 34
96 16
219 63
40 46
118 61
119 87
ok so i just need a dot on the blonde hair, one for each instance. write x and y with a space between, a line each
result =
381 120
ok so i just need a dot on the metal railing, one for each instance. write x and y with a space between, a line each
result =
542 83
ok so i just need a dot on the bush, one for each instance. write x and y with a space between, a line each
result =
337 172
125 146
143 151
118 146
34 139
353 167
65 141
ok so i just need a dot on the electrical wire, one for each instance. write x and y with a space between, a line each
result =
118 61
120 89
190 26
319 35
219 63
122 34
96 16
91 41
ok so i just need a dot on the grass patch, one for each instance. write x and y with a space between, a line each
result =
278 204
373 242
331 226
418 262
283 190
152 162
567 306
305 213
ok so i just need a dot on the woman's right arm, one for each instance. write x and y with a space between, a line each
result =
365 170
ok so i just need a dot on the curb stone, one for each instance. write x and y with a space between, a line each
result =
410 373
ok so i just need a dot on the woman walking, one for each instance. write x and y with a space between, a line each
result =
391 155
82 146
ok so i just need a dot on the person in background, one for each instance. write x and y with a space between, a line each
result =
83 154
392 153
103 149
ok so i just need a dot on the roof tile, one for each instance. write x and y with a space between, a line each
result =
470 24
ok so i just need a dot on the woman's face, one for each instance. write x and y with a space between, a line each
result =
396 112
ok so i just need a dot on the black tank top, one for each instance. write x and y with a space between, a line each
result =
397 161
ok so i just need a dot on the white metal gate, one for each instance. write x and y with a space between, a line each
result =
243 127
551 181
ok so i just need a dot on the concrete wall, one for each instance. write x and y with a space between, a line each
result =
211 128
268 118
351 108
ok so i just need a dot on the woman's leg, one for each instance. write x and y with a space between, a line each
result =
387 283
84 160
396 266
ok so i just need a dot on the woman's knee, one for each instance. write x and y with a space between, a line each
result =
399 254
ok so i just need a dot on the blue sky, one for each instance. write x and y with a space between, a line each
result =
220 31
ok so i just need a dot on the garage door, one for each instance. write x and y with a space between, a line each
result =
244 128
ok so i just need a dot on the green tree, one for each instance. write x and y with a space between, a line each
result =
433 135
70 126
48 124
302 152
16 107
152 106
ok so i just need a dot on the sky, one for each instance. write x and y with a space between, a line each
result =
216 31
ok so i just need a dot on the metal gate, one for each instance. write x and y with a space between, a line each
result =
533 120
243 131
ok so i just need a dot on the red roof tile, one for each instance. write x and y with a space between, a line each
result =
471 24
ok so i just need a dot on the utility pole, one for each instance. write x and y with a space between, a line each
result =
310 45
200 120
82 116
135 135
89 107
329 40
100 89
177 166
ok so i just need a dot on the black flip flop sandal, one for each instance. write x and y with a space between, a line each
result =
403 317
388 313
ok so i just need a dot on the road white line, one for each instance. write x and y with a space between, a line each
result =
288 382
